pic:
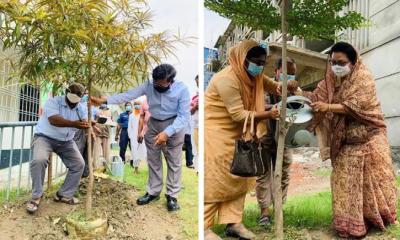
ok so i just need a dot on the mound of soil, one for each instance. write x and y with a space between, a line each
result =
113 199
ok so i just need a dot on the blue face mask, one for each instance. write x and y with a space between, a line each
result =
254 70
128 108
137 107
84 98
289 77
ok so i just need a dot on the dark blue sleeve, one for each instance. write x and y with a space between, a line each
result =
119 119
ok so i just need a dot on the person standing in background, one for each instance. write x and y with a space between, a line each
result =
104 131
264 182
134 131
122 131
188 146
194 111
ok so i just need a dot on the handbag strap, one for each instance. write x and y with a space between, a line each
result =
252 129
251 115
245 125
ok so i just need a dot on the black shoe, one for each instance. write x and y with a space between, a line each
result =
146 199
131 162
172 203
190 166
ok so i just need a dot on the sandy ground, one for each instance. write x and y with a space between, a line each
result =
111 198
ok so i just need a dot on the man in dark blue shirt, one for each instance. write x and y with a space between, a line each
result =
122 131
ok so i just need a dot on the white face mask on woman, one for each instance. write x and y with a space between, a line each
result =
341 71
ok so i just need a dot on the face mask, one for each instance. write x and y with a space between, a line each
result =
254 70
73 98
103 106
85 98
289 77
137 107
161 89
128 108
341 71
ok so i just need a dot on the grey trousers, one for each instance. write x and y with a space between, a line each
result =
172 153
69 154
264 183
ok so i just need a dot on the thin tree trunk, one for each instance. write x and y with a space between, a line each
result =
278 214
89 154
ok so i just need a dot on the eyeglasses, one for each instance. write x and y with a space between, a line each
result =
339 62
257 62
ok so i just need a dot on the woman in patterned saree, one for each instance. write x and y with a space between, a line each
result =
352 133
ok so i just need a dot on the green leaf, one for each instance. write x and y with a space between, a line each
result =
51 38
17 31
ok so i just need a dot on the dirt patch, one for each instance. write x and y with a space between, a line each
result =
308 178
113 199
308 173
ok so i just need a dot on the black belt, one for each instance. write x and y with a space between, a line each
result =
158 120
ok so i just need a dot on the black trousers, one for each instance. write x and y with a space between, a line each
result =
188 150
124 142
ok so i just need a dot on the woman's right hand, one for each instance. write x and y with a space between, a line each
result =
274 113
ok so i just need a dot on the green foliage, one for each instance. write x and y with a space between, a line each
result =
96 42
310 19
13 195
82 40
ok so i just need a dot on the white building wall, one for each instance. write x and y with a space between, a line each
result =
9 93
382 58
379 46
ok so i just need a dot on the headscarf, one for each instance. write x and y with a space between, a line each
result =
251 90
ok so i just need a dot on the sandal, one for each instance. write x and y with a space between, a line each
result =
70 201
32 206
264 220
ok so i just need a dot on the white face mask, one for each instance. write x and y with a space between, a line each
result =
341 71
73 98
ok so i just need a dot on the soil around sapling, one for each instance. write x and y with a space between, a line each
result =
112 199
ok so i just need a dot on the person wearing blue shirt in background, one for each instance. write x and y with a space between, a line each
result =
56 128
169 106
122 131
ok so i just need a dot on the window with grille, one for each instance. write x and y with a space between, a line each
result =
29 103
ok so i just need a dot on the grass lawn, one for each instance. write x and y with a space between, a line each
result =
25 194
188 197
310 211
13 195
